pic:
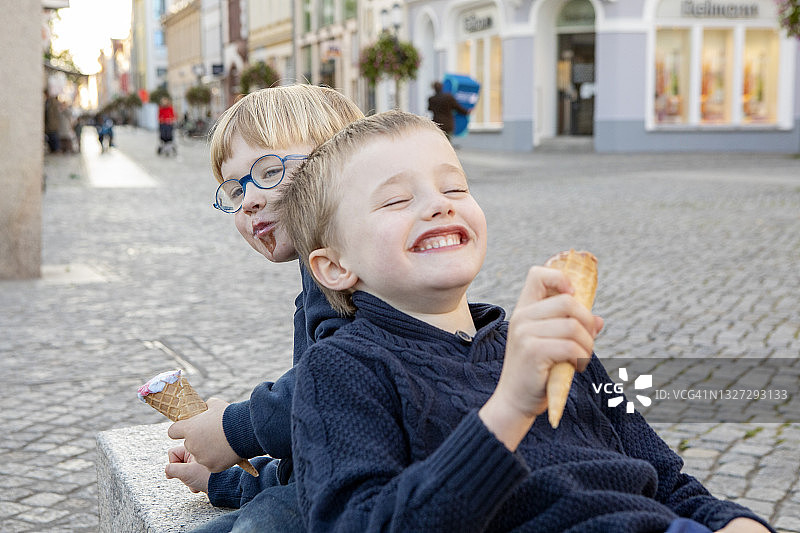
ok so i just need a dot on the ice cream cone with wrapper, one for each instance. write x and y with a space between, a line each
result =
581 269
170 394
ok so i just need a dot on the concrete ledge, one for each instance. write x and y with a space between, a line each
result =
133 493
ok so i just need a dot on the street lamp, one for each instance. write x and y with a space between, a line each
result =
395 18
199 69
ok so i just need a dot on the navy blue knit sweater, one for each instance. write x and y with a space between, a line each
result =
386 437
262 424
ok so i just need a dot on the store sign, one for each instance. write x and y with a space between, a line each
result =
718 10
478 20
762 10
331 50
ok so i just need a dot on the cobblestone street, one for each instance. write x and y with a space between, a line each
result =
699 257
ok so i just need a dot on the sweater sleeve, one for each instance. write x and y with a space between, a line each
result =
262 425
234 487
352 462
682 493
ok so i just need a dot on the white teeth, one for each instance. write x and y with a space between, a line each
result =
439 242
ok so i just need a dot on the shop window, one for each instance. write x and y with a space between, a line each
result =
672 76
326 13
496 80
306 16
305 63
716 83
327 73
350 9
482 59
759 87
717 64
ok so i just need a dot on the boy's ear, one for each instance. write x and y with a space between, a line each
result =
328 270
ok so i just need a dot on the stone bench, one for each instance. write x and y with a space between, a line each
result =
134 494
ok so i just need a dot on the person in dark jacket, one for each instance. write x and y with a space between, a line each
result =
442 105
256 145
426 413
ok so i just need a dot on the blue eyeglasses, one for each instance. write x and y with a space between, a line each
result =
267 172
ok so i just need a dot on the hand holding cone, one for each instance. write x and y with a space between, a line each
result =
171 395
581 269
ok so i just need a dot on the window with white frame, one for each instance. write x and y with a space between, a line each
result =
479 54
716 63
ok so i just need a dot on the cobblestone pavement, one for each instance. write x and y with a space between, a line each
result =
698 255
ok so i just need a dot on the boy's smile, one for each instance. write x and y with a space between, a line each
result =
440 238
256 221
409 228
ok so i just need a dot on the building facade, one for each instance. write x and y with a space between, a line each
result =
185 67
213 53
270 38
636 75
327 45
148 47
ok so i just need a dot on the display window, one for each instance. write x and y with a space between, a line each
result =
760 88
716 84
672 76
715 64
479 54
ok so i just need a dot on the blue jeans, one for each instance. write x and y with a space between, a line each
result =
273 510
685 525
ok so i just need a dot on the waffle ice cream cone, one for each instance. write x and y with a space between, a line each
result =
581 269
171 395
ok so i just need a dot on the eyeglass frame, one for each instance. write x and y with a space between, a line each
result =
249 178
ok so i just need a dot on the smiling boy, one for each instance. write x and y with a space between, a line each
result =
423 413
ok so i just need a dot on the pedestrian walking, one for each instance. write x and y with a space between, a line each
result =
442 105
166 126
51 120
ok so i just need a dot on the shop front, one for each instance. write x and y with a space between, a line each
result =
658 75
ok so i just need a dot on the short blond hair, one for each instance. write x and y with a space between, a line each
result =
279 117
308 205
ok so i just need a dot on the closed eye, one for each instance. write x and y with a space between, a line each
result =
395 202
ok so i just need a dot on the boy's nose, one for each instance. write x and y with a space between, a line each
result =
253 201
439 206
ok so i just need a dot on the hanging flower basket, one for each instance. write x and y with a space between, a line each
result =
789 16
199 95
390 57
258 76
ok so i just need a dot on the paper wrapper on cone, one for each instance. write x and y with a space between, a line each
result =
581 269
171 395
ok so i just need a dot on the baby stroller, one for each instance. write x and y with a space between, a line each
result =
167 145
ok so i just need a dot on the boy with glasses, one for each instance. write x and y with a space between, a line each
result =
423 414
256 146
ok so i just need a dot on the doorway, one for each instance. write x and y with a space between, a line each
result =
576 73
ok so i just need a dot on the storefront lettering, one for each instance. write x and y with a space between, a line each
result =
473 23
710 9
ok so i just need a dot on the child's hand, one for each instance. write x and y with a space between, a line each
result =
743 525
542 331
183 466
205 439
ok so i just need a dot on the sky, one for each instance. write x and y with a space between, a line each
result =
86 27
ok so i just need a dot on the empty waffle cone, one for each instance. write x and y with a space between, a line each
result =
178 400
581 269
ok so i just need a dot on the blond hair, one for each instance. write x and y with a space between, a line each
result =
308 205
279 117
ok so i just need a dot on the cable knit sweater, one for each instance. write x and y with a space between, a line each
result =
386 437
